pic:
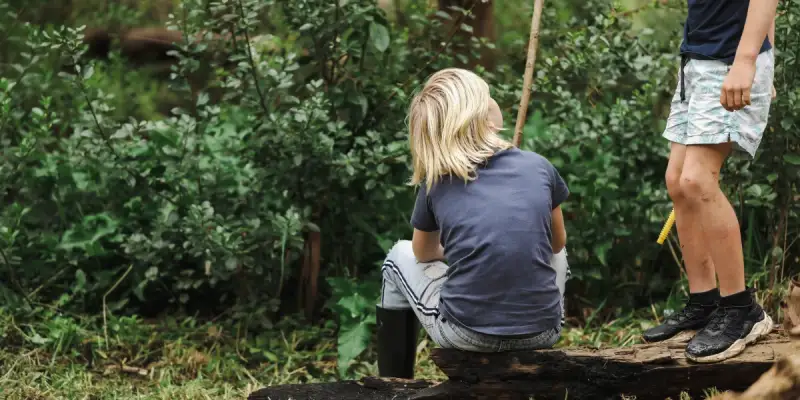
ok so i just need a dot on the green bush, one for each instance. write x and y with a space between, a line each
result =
208 206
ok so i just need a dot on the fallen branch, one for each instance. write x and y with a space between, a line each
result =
654 371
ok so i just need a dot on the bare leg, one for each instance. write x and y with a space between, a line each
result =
699 265
703 293
699 183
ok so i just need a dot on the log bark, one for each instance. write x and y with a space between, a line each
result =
365 389
648 372
781 382
654 371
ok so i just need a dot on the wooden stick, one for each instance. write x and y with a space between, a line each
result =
533 44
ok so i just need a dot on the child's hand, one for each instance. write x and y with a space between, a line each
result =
736 87
774 93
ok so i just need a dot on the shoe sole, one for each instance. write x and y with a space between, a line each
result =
680 337
760 329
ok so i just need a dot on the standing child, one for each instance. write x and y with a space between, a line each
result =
721 106
493 213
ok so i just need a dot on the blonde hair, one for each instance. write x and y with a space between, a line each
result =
450 132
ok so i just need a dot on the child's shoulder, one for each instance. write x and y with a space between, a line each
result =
535 157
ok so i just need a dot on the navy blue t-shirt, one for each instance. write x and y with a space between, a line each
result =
496 235
713 29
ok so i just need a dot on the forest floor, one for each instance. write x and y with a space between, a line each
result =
182 359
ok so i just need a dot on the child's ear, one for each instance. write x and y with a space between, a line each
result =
495 116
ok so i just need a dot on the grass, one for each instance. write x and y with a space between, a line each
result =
47 354
56 357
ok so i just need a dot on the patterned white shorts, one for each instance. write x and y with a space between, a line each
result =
701 119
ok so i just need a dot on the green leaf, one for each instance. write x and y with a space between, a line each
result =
202 99
379 36
793 159
443 15
91 230
755 190
80 280
38 339
354 337
88 72
270 356
601 250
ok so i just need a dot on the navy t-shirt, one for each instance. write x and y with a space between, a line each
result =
713 29
496 235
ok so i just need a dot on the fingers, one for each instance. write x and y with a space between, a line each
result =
733 99
729 98
745 98
738 102
723 98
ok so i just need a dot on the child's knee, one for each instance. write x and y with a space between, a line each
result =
559 262
398 255
401 251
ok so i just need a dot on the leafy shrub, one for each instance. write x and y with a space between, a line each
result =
213 200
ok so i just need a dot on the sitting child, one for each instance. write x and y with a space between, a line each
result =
493 213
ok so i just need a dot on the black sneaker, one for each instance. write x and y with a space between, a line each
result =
693 317
729 331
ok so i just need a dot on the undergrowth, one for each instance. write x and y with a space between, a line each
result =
48 354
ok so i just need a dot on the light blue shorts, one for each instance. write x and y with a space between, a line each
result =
701 119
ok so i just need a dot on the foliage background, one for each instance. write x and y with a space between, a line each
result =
131 196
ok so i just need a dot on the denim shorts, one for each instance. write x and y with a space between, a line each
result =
698 118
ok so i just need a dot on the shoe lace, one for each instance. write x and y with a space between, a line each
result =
688 311
717 320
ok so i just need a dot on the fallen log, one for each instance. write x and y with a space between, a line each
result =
782 381
365 389
652 371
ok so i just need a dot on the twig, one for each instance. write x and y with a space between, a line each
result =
675 256
105 309
13 275
533 44
251 60
786 247
334 59
47 282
